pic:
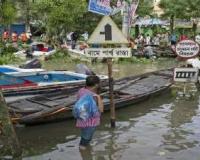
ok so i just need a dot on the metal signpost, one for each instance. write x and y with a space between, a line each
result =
107 33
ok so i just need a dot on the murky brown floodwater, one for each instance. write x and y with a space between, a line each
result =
160 128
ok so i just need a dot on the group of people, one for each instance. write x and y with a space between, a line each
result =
14 37
143 40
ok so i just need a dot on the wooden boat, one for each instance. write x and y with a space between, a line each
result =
26 83
58 106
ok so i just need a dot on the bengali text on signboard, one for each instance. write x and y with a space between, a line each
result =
187 49
108 52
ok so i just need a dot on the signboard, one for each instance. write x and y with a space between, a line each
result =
186 74
187 49
107 32
100 7
108 52
183 23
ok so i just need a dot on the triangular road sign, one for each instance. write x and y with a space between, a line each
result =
107 32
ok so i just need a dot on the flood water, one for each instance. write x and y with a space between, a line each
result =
161 128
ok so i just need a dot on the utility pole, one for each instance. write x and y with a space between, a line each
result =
125 20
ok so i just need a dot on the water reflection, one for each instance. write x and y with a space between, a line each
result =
160 128
177 138
152 130
119 70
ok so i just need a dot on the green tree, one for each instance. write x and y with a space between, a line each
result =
59 16
145 8
184 9
7 12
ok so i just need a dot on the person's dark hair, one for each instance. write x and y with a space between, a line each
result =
92 80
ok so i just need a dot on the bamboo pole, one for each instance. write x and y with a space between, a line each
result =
112 105
9 145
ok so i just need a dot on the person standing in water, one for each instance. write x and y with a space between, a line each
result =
88 109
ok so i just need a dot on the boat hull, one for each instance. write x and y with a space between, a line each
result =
55 107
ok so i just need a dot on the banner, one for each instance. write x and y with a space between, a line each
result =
100 7
132 10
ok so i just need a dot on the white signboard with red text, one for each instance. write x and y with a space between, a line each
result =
187 49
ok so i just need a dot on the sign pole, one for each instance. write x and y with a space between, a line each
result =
107 33
112 105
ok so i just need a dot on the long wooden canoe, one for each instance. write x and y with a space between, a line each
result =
58 106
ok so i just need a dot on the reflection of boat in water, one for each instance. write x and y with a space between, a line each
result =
57 106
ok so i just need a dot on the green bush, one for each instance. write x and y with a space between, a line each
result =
8 59
9 49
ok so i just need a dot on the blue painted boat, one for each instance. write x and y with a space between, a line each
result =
8 69
33 83
50 77
33 65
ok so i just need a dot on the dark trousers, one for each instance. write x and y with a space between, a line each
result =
86 135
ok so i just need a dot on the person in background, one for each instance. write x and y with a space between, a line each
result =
148 52
173 39
74 38
5 36
83 69
141 40
156 40
14 37
166 39
88 126
148 39
29 37
23 37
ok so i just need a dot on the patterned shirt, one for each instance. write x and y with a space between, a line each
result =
90 122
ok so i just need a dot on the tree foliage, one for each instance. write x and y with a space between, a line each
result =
7 12
185 9
145 7
59 15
